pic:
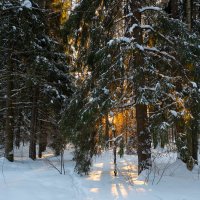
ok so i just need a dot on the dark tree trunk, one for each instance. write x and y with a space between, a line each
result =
195 142
174 8
194 132
107 130
42 140
19 119
181 140
33 136
187 10
193 136
189 14
9 135
143 135
144 139
17 137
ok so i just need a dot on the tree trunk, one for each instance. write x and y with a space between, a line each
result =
42 140
194 132
143 135
195 112
174 8
17 138
181 140
195 142
107 137
187 13
9 135
144 139
33 136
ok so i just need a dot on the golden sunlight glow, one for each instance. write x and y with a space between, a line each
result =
123 190
139 182
118 189
187 116
47 155
114 190
100 165
94 190
123 121
95 176
130 171
63 7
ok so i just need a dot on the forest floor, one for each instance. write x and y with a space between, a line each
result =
25 179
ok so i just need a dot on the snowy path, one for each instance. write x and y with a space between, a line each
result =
37 180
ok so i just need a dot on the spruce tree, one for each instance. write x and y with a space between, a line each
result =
40 63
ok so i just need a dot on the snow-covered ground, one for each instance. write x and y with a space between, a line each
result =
38 180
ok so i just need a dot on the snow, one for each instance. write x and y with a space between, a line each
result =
140 47
150 8
75 4
130 14
133 27
110 43
174 113
194 85
91 99
38 180
164 125
27 4
111 113
105 90
146 27
118 40
14 28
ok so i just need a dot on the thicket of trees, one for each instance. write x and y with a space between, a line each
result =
141 54
68 67
35 83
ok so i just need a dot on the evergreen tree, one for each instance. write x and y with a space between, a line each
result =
149 56
40 63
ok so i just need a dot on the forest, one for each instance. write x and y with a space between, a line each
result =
99 99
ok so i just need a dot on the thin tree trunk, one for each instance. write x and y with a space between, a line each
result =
194 134
42 140
107 131
189 14
9 135
17 138
33 136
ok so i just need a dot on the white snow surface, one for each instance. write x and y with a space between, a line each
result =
25 179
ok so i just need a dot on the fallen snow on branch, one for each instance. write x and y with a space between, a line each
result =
150 8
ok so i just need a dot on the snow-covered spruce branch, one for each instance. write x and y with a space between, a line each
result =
148 8
149 27
115 139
